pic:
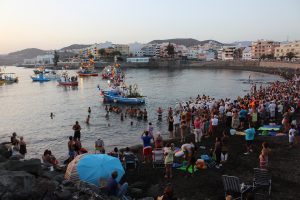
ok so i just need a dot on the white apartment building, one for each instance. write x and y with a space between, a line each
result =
226 53
45 59
139 53
152 50
285 48
247 53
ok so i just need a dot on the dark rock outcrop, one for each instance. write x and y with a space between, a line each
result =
32 166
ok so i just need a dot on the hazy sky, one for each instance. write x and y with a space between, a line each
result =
53 24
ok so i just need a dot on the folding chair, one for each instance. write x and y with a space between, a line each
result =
261 180
232 185
130 160
158 158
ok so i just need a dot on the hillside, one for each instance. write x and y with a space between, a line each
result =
75 46
19 56
186 41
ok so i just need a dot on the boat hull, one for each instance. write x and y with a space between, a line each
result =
68 83
122 100
40 80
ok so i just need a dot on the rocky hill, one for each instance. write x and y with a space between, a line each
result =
186 41
19 56
75 46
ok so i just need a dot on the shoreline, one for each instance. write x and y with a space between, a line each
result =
284 69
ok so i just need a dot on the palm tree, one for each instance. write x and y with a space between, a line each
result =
101 52
170 50
56 58
290 55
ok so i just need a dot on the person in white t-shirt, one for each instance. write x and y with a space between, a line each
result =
214 123
176 123
272 108
292 134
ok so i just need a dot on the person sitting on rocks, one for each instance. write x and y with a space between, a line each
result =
168 194
113 188
23 149
115 153
15 154
13 138
99 146
48 159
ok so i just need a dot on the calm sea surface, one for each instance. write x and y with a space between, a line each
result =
25 107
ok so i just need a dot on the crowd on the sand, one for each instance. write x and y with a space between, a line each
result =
203 116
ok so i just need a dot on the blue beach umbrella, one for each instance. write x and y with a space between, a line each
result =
93 167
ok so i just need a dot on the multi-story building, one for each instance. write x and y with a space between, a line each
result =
226 53
122 48
263 47
285 48
139 53
151 50
247 53
41 59
45 59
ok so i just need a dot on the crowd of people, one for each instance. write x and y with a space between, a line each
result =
205 117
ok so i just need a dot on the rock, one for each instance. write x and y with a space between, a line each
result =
2 158
59 178
138 184
42 187
153 191
63 194
147 198
135 192
67 183
32 166
4 151
51 174
19 183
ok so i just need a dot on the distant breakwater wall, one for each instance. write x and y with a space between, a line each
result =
281 68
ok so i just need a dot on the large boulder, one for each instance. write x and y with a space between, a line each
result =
16 184
44 187
32 166
4 151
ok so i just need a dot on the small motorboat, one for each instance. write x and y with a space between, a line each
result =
52 75
10 78
65 80
40 78
123 95
110 97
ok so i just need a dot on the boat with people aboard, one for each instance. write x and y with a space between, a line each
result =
123 95
8 78
106 72
40 78
66 80
52 75
87 69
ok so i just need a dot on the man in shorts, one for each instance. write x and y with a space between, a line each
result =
250 132
76 129
147 150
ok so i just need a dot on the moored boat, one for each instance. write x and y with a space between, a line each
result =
87 69
116 98
123 95
10 78
40 78
65 80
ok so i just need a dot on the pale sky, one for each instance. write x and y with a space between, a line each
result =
53 24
